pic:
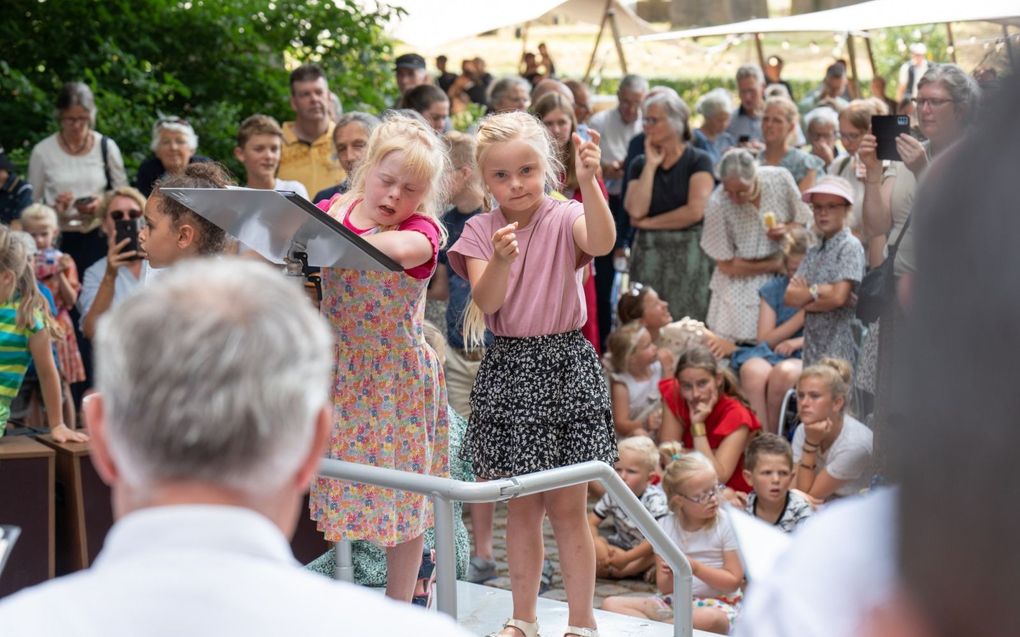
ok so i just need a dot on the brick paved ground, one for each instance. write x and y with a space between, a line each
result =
603 587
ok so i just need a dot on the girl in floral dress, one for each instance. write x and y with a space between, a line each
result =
389 396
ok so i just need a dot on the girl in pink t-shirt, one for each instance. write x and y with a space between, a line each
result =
389 397
539 400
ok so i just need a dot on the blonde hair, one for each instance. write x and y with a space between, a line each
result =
644 446
40 213
836 373
502 128
121 191
425 158
507 127
32 306
680 471
786 106
796 242
621 344
669 451
461 150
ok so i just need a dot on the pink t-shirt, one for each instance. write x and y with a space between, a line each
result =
415 223
544 291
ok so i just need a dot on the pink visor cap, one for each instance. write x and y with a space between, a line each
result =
830 186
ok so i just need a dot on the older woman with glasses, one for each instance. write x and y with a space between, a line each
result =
174 143
666 194
72 168
123 270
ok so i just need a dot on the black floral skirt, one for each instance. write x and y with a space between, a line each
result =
538 403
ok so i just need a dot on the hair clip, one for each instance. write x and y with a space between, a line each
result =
675 456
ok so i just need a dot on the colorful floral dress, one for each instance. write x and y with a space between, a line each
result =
389 405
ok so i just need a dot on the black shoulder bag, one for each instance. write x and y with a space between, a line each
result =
879 285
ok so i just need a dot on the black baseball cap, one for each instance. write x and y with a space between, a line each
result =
410 61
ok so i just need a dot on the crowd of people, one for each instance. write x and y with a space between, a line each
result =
553 247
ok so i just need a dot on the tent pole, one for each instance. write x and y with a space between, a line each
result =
524 39
1009 47
871 55
761 53
598 40
952 43
616 38
855 85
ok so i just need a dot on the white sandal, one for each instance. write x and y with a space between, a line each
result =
528 629
581 632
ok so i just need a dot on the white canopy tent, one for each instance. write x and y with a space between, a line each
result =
865 16
858 19
432 23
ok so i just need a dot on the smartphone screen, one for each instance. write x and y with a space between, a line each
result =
128 229
582 132
886 128
743 139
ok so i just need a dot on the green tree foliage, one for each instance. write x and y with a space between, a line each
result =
890 47
213 62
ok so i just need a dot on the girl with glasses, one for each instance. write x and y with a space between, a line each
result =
705 536
827 278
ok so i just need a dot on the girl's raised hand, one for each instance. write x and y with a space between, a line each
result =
815 433
504 243
587 155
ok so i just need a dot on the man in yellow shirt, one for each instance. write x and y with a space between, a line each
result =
308 155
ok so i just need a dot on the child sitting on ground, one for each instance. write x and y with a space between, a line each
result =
635 371
704 534
626 552
768 467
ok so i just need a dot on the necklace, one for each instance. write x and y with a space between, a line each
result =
71 150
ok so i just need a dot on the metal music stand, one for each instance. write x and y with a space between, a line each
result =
8 536
284 228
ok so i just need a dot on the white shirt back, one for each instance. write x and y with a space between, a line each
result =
205 570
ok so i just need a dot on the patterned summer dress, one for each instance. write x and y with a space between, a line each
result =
389 405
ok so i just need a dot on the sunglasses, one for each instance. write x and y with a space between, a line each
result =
635 289
120 215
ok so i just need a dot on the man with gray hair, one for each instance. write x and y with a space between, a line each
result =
745 125
617 127
210 421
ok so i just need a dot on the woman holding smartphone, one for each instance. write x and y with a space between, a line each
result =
72 168
117 275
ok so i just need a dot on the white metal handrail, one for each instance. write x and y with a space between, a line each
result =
445 491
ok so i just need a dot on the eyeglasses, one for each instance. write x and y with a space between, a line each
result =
829 207
923 102
705 497
120 215
851 137
76 120
635 289
650 121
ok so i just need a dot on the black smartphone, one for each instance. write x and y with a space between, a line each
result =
743 139
128 229
886 128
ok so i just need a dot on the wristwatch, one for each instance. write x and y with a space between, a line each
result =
813 290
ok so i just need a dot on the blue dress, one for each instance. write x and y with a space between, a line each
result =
772 293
